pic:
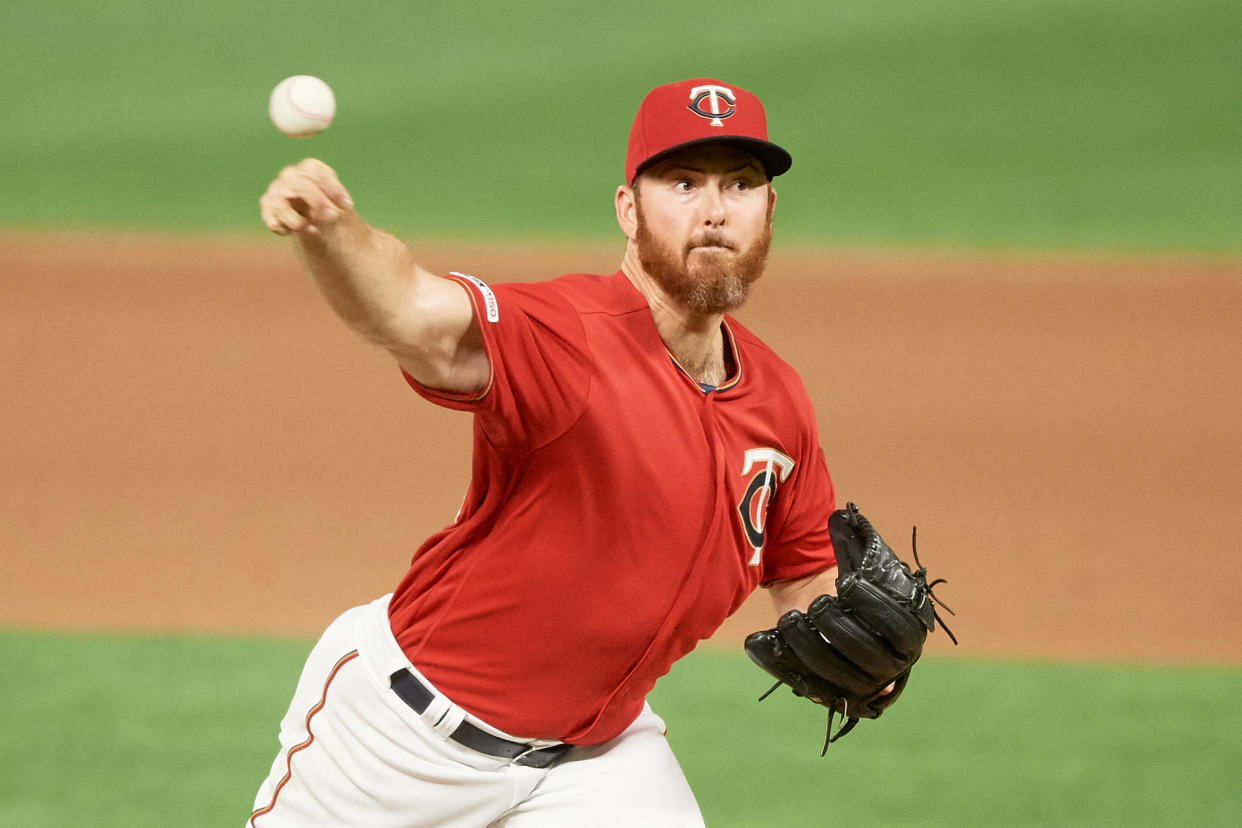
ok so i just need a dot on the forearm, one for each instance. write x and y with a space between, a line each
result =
372 282
368 277
798 594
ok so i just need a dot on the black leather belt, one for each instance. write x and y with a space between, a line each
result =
416 694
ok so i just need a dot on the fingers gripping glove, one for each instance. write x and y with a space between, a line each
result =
846 650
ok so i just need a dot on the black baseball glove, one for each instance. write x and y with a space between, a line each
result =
852 652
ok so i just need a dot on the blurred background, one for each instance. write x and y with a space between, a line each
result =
1008 264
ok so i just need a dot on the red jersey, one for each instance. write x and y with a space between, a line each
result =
616 515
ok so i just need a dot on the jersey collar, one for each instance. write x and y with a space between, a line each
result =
733 380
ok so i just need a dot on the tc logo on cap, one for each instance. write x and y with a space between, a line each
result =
719 100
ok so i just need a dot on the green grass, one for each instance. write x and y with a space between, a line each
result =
138 731
969 744
157 731
1103 124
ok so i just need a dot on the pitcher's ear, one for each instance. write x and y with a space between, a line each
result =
627 210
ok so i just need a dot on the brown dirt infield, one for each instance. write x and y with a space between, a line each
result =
191 441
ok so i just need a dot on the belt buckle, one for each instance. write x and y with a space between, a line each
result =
517 760
553 753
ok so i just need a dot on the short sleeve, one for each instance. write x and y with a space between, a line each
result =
540 364
802 545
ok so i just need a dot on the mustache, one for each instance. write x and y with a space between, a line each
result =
710 239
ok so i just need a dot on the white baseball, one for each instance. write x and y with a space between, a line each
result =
301 106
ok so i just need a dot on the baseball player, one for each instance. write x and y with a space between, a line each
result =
642 462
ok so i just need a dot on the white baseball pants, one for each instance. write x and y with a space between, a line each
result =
352 753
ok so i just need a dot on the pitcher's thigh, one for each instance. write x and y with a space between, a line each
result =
633 780
353 754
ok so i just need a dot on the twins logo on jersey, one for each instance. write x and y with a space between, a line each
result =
770 469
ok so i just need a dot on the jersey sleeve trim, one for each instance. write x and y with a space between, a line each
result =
449 396
473 288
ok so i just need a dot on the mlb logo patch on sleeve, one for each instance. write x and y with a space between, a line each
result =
489 298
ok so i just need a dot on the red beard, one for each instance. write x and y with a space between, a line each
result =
706 281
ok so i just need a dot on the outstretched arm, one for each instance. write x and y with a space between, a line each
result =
372 282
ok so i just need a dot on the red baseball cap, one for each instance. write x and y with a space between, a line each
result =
696 111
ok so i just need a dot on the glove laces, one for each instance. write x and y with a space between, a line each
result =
849 720
921 574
